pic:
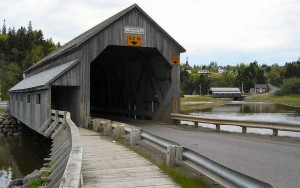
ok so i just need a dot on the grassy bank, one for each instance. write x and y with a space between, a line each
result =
194 103
2 109
197 98
291 100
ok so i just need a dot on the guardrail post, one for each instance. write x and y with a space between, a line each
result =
176 122
120 130
244 130
275 132
179 150
135 136
196 124
218 127
107 128
171 156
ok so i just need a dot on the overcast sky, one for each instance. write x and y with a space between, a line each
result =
226 31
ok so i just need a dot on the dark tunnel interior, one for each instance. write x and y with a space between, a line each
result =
128 81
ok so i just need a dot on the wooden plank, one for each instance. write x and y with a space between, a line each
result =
117 167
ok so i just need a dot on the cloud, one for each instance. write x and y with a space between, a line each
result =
203 27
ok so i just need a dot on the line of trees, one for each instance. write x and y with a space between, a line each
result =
242 75
20 49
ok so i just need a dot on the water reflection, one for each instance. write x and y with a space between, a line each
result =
20 156
257 111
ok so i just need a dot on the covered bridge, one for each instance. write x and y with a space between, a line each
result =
225 92
127 65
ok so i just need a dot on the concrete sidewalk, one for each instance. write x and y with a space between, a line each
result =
108 164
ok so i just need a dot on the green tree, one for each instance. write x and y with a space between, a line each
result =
3 28
20 49
290 86
292 70
250 75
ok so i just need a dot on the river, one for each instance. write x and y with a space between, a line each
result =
3 104
21 155
253 111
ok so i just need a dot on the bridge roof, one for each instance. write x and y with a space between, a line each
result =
225 89
43 79
77 41
261 86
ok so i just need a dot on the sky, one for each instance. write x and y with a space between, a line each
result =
226 31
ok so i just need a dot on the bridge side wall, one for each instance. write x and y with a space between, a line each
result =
32 113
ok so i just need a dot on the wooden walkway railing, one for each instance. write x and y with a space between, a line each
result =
63 167
241 123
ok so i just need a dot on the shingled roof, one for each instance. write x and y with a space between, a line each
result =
77 41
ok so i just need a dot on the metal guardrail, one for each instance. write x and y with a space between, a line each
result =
241 123
157 140
185 156
64 164
224 175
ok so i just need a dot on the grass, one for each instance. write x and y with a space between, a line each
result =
198 98
2 109
189 107
181 178
291 100
175 173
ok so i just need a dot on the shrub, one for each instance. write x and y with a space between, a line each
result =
290 86
35 183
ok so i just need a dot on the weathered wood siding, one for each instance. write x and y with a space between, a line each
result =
31 114
70 78
114 35
64 58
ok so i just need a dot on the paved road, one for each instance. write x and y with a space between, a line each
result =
274 161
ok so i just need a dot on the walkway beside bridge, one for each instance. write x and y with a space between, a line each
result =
108 164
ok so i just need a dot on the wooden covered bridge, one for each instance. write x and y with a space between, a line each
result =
127 65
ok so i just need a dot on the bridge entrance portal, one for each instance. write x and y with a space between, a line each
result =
65 98
129 81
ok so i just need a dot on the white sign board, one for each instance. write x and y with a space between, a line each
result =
134 30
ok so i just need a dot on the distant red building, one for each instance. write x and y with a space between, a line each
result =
261 88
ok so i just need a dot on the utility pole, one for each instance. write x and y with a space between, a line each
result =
200 89
242 87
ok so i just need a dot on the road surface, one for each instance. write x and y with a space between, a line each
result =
275 161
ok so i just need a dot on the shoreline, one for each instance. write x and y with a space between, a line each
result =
196 103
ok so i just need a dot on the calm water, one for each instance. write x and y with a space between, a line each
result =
3 104
254 111
20 156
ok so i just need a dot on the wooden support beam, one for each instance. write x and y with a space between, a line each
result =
155 84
